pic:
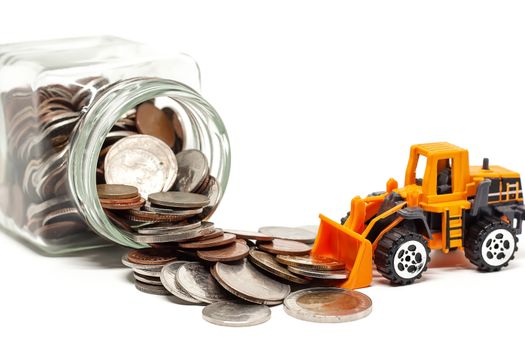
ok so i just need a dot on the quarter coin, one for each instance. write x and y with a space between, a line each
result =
268 263
193 170
311 262
326 275
280 246
233 252
179 199
327 305
246 282
169 281
226 313
289 233
197 281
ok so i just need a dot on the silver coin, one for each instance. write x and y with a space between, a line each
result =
289 233
142 161
178 212
197 281
151 289
61 215
48 206
249 235
149 272
225 313
268 263
174 236
327 305
193 170
320 274
168 279
168 227
212 191
133 265
246 282
154 281
174 199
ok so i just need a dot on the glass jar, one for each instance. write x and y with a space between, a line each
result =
62 103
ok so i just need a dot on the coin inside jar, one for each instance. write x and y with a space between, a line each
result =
327 305
154 122
193 170
179 199
279 246
116 191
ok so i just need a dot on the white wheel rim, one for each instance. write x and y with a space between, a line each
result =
410 259
498 247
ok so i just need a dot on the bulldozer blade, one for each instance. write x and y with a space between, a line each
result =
347 246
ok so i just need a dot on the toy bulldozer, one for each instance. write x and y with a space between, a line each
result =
478 209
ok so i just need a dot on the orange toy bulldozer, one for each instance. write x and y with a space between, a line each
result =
478 209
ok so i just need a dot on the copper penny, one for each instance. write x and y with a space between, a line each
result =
281 246
61 229
115 191
154 122
121 201
313 262
233 252
124 206
225 239
151 256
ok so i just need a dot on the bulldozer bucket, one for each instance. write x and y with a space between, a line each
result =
347 246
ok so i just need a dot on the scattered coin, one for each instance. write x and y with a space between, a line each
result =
115 191
311 262
179 199
320 274
150 256
327 305
224 239
169 281
250 235
151 289
154 281
225 313
289 233
279 246
233 252
154 122
142 161
193 170
154 273
196 280
125 261
268 263
246 282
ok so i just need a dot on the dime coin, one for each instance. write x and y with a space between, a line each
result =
222 240
268 263
115 191
151 256
142 161
154 122
179 199
154 281
250 235
246 282
311 262
326 275
328 305
279 246
233 252
197 281
151 289
193 170
225 313
169 281
289 233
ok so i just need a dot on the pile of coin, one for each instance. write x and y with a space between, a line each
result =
238 274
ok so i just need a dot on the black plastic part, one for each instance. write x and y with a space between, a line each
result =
476 237
388 247
485 164
512 212
417 215
482 197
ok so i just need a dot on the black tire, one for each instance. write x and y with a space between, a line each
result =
490 244
402 256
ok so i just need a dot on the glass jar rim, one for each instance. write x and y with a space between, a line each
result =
105 110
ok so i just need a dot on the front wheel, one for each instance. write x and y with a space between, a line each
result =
402 256
490 244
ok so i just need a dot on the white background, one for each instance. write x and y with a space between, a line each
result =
322 102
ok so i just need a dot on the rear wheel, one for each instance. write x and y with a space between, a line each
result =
490 244
402 256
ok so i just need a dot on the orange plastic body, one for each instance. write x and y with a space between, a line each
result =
348 243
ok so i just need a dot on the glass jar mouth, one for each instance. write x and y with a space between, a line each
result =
205 125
